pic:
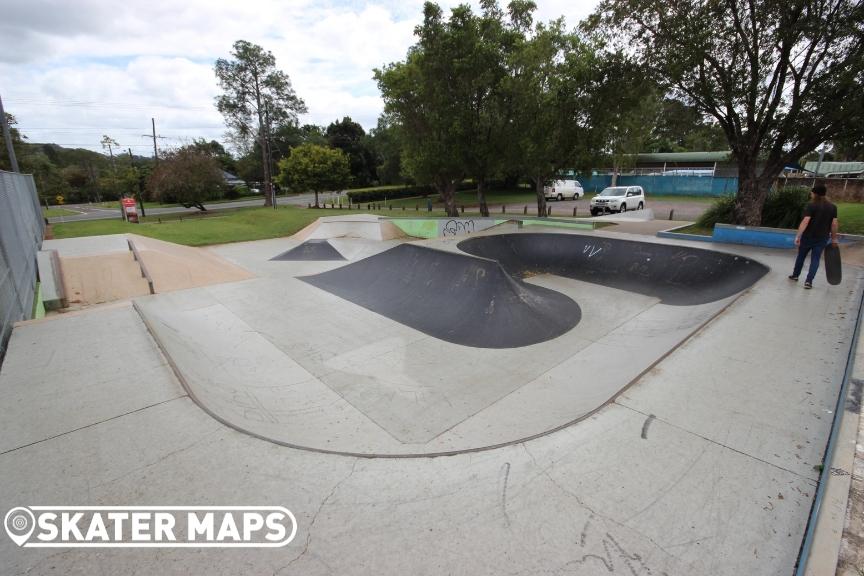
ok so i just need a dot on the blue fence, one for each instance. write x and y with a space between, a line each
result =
666 185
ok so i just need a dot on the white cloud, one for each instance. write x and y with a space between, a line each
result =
71 71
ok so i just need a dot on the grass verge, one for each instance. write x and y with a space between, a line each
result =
57 212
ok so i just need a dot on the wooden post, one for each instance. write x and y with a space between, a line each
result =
525 210
574 211
671 214
503 209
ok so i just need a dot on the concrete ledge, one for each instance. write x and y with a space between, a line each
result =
51 278
754 236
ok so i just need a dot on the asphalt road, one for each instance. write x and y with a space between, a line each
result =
689 210
95 212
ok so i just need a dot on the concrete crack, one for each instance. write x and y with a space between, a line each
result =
324 502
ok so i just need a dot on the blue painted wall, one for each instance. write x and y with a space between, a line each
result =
766 237
666 185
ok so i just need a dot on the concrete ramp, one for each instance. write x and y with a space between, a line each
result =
108 277
456 298
677 275
353 226
311 250
177 267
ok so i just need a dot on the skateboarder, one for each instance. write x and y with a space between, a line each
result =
820 222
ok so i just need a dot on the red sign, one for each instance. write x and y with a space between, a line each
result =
130 210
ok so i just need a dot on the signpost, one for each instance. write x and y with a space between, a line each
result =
130 210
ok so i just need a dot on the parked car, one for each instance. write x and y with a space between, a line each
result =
561 189
618 199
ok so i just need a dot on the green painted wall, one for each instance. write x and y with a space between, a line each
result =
425 228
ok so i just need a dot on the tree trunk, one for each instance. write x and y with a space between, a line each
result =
541 197
614 180
752 192
481 197
448 193
268 194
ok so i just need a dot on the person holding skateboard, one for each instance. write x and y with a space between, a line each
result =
820 222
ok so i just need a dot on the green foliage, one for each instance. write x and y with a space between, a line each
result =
349 136
721 211
388 193
186 176
779 78
311 167
681 127
257 99
784 208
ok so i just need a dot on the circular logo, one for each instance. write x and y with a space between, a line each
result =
19 523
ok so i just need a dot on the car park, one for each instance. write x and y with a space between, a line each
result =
618 199
563 189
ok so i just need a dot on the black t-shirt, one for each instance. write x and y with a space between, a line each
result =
821 215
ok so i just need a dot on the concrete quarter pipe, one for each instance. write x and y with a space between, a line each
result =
677 275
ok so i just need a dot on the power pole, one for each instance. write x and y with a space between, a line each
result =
7 135
140 187
155 152
154 137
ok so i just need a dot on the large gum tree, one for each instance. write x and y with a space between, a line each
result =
779 76
257 99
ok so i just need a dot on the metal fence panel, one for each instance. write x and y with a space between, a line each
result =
672 185
21 231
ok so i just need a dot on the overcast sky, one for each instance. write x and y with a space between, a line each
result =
71 71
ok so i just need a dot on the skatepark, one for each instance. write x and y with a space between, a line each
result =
465 396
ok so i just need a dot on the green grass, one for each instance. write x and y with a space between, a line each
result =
224 226
695 229
240 225
849 214
851 217
57 212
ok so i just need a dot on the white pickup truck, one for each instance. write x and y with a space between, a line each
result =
561 189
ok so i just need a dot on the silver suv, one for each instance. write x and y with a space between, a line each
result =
618 199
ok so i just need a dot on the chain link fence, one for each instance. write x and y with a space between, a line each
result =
21 229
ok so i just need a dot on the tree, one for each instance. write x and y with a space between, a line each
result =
489 43
624 106
186 176
17 143
316 168
428 96
552 77
681 127
349 136
217 151
257 98
779 77
386 143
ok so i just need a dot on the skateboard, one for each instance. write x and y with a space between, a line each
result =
832 265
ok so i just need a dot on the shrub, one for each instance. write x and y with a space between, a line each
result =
359 197
390 193
721 212
784 208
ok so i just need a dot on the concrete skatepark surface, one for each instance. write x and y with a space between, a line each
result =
456 298
702 465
